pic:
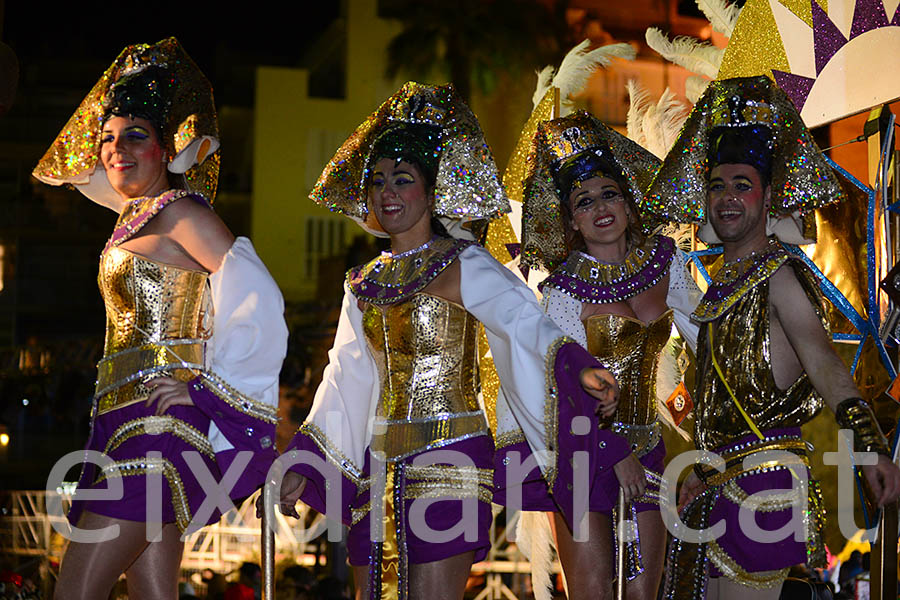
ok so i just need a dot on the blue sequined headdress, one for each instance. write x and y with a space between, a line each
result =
800 178
566 151
467 185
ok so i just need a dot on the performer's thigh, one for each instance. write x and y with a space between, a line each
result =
653 548
442 579
726 589
360 581
155 572
90 571
588 565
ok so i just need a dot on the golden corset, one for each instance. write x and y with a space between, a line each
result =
425 349
630 350
154 323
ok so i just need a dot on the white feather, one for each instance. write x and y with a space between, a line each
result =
580 63
722 15
639 101
654 126
544 79
535 540
694 86
672 115
696 56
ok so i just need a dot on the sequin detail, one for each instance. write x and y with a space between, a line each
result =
333 454
467 184
687 576
589 280
543 237
734 280
509 438
156 323
75 152
427 360
238 401
742 346
388 279
139 211
158 426
154 466
551 408
801 179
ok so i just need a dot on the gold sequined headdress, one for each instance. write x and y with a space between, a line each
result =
467 185
801 179
555 144
189 131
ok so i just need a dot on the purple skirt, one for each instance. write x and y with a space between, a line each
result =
440 514
750 555
604 488
126 436
536 495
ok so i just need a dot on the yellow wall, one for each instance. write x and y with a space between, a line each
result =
294 136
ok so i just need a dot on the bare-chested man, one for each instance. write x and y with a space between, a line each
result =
764 358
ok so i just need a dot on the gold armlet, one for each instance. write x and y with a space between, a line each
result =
855 414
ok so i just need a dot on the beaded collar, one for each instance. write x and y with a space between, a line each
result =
588 280
139 211
735 279
392 278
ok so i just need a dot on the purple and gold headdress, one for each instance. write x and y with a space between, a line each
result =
564 152
441 130
158 82
801 179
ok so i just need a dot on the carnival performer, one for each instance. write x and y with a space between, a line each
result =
405 354
746 169
615 290
187 388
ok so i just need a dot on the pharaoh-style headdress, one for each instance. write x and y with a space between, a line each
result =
566 151
434 125
160 83
774 139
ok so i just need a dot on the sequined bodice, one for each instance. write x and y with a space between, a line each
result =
154 321
742 348
630 350
425 349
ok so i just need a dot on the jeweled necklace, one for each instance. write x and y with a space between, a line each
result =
389 254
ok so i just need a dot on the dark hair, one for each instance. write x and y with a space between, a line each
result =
409 142
146 94
742 145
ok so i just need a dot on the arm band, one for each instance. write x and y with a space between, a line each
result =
855 414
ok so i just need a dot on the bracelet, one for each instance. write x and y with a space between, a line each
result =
856 414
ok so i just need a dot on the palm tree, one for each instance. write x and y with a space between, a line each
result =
469 42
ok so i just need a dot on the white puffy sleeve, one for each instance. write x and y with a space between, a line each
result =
523 342
683 297
249 334
565 311
345 400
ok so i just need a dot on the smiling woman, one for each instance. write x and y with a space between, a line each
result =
194 334
133 158
412 448
616 290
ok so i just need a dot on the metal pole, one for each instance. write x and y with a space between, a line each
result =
268 543
620 547
884 556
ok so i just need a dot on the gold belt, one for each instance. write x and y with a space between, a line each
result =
734 459
139 363
399 439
